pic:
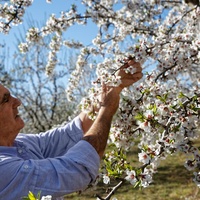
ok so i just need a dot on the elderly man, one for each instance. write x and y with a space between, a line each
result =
59 161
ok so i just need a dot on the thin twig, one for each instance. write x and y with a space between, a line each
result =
115 188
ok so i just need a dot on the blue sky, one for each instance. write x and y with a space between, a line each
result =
39 11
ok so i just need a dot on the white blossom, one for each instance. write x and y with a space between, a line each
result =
131 177
48 197
106 179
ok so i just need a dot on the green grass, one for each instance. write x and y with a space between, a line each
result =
172 182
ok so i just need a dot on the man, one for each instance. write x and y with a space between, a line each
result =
59 161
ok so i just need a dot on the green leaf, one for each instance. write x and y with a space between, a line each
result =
146 91
181 95
153 107
194 98
173 107
139 117
180 104
137 184
196 109
162 98
38 195
31 196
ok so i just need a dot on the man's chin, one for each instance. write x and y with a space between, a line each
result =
21 121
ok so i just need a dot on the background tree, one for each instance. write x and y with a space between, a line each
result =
44 102
5 77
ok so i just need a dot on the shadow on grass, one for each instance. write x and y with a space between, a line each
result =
176 174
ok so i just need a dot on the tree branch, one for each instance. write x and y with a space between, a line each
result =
114 189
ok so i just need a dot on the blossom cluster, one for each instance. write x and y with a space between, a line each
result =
12 14
162 110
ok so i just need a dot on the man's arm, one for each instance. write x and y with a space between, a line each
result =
58 176
96 133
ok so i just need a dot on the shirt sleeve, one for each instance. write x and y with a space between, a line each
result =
55 142
52 176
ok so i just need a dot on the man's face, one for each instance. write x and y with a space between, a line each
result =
10 121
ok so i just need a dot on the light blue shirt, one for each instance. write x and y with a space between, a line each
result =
56 163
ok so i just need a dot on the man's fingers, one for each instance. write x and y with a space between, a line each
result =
104 87
135 77
138 73
136 65
132 63
138 76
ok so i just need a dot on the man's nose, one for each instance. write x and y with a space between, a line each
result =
17 102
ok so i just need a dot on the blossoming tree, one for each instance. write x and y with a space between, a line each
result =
161 111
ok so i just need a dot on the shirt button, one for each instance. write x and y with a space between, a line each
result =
20 151
25 166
